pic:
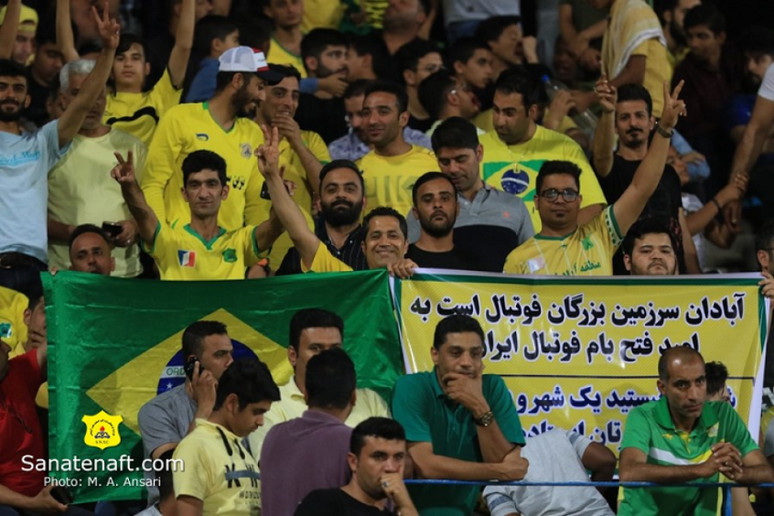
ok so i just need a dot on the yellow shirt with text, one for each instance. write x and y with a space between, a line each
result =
389 179
188 128
514 168
587 251
282 56
219 471
183 254
139 113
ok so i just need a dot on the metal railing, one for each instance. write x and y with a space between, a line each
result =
725 486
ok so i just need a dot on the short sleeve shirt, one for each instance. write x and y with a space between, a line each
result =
428 415
324 261
766 89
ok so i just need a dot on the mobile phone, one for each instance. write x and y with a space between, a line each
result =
113 229
190 366
265 192
62 495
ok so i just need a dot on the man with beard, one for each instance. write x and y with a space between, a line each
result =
26 158
221 124
627 112
436 209
80 192
649 250
672 13
384 242
566 248
355 145
342 198
490 223
302 153
394 165
324 52
402 22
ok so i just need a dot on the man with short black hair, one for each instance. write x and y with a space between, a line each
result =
504 36
342 200
671 14
291 447
170 416
393 165
220 475
222 125
444 96
471 61
89 249
460 424
565 247
313 331
403 21
491 223
436 209
366 59
515 150
653 447
377 454
417 60
324 53
649 250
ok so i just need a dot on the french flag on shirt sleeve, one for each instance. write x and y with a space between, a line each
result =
186 258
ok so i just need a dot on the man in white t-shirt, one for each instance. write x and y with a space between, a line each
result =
557 456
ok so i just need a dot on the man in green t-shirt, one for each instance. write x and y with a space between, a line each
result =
681 438
460 424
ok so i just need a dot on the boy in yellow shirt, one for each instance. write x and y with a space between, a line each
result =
200 250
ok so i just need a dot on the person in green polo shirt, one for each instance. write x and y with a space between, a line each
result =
460 424
683 437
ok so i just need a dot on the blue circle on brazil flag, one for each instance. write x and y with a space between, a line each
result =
515 181
174 372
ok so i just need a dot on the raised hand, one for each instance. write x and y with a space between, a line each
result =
673 107
268 153
607 94
124 171
109 29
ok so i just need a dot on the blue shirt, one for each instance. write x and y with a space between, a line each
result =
353 148
203 85
24 164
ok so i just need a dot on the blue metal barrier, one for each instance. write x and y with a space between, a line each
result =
726 487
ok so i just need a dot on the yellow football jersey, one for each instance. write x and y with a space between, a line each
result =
139 113
514 168
282 56
182 254
587 251
188 128
13 331
389 179
324 261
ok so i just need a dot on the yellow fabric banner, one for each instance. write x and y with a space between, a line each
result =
581 353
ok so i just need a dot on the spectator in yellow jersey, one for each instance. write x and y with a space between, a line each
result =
13 330
393 165
565 247
201 250
286 37
515 150
221 125
385 229
79 191
302 153
129 107
90 250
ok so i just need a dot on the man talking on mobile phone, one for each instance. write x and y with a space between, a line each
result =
170 416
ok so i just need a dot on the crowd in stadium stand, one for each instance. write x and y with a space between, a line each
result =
185 140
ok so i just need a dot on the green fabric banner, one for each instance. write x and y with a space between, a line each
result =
115 344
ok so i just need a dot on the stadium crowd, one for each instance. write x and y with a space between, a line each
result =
184 140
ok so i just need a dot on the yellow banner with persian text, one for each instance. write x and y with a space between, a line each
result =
580 353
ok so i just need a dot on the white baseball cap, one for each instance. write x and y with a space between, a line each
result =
246 59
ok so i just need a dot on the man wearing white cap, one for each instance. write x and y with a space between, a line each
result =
222 124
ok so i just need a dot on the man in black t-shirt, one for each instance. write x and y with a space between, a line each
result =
377 452
436 209
628 114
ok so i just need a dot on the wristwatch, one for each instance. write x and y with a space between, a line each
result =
485 420
663 132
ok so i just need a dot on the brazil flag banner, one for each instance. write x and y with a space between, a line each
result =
114 344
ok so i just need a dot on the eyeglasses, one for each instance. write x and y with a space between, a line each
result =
432 68
552 194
